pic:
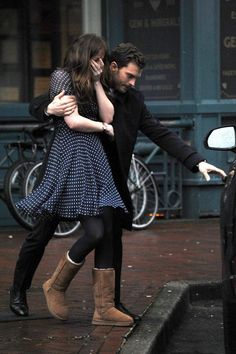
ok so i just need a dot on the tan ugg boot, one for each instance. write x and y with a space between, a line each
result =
55 287
105 313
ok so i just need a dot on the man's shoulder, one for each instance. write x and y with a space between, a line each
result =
135 93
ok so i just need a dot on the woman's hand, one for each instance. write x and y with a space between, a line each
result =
108 129
97 69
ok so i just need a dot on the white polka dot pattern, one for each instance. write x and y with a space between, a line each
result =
78 178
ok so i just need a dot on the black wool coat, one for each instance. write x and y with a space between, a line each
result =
131 116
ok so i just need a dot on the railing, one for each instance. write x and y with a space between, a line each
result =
21 141
167 171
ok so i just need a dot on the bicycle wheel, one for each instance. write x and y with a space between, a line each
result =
14 190
143 192
64 228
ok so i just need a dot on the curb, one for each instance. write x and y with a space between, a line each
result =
153 333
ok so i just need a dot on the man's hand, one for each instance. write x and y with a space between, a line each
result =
206 168
62 105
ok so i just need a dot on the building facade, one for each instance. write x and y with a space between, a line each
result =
189 79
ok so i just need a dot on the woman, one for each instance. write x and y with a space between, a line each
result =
78 182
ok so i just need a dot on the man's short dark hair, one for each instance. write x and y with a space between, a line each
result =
125 53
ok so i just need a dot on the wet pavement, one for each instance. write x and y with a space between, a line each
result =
201 330
179 250
185 318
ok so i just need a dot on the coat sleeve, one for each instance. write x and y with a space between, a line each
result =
169 141
38 106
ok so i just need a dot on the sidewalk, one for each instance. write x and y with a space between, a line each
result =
182 250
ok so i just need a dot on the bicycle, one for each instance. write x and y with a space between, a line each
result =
156 192
65 228
142 188
143 192
142 185
13 185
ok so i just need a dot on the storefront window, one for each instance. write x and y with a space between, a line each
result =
34 35
228 49
154 27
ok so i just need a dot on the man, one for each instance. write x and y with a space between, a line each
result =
131 115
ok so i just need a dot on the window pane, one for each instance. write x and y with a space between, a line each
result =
228 49
34 36
154 27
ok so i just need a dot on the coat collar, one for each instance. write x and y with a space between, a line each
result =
122 97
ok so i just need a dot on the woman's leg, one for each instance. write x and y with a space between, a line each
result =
55 287
103 257
93 234
104 279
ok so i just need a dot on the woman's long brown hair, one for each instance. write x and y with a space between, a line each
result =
77 63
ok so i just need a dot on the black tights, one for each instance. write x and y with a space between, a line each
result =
97 234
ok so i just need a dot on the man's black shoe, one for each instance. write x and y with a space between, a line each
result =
18 302
123 309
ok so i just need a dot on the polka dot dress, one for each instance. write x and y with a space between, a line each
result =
78 179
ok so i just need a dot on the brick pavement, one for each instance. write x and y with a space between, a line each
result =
167 251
